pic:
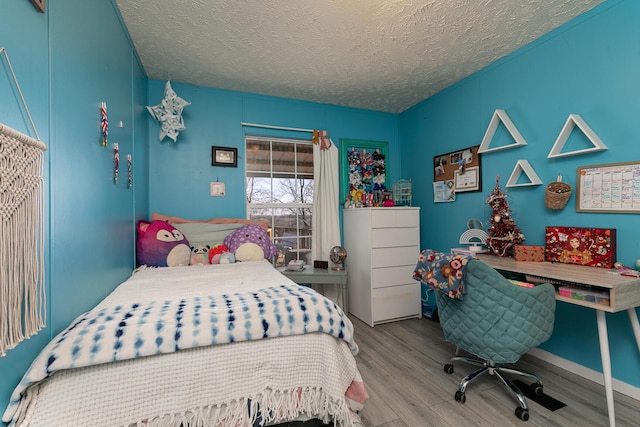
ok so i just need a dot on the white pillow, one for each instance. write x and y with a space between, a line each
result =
200 234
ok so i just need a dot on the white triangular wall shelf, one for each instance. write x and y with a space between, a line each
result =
498 116
572 121
523 166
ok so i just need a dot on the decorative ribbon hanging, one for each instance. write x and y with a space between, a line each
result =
104 123
129 172
321 137
116 162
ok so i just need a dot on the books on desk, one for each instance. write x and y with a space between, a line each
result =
470 251
295 265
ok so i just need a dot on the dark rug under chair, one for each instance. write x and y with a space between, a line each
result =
543 400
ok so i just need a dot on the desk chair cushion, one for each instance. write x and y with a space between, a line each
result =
497 320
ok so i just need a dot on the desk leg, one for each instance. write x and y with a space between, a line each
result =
345 301
606 364
633 317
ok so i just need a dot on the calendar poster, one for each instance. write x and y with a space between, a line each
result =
612 187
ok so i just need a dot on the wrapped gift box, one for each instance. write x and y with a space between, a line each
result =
594 247
529 253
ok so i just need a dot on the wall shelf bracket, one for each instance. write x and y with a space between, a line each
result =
500 116
573 121
520 167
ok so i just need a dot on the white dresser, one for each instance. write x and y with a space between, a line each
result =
383 245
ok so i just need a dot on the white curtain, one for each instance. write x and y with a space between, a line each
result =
326 195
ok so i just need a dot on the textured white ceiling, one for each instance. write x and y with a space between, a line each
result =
384 55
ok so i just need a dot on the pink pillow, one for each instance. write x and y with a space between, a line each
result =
177 220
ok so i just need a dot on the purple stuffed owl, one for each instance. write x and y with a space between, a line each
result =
160 244
250 243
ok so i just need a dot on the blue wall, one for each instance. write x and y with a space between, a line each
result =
23 32
588 67
67 61
78 54
180 172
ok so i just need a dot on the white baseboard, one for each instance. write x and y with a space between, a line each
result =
584 372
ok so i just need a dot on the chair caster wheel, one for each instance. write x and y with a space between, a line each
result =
522 413
448 368
537 389
460 396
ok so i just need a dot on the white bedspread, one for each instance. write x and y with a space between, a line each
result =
238 384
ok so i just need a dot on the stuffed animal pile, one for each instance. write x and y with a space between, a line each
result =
250 243
199 255
220 254
159 244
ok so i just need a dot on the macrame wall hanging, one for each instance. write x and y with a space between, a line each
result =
22 295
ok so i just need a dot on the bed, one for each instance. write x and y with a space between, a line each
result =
234 344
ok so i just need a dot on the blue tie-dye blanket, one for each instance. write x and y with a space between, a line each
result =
135 330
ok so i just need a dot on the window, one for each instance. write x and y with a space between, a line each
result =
279 188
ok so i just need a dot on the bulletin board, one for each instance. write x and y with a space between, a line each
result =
613 187
364 167
463 167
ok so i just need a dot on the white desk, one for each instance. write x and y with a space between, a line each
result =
624 294
321 276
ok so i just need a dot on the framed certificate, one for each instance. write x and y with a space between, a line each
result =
469 180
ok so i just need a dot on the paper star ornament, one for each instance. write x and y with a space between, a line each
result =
169 113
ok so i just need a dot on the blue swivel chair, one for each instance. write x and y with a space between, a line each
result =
497 321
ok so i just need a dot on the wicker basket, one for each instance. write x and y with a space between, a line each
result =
557 195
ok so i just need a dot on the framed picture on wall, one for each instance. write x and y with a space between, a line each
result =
364 170
462 167
224 156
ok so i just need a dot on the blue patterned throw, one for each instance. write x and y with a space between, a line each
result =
444 272
143 329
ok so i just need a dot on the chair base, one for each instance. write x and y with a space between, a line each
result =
499 371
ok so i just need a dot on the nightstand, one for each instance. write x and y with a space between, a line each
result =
321 276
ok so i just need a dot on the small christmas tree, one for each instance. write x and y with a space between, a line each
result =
503 232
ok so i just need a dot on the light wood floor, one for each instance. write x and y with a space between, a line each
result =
402 366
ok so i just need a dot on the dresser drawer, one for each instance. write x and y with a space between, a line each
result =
392 276
396 302
391 217
391 257
390 237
